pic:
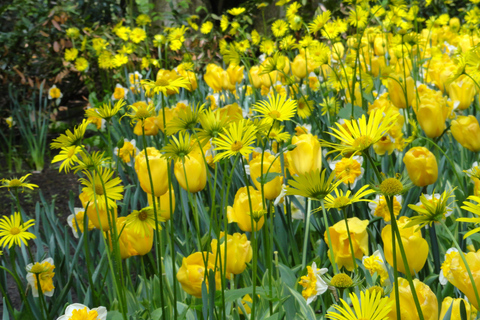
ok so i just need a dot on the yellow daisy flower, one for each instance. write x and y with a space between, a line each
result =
13 231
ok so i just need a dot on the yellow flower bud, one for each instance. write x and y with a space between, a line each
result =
466 131
307 156
416 248
239 252
158 169
100 217
396 90
240 212
273 188
192 272
427 299
462 92
455 272
431 110
214 77
421 166
163 204
254 76
299 67
150 126
341 245
193 176
456 315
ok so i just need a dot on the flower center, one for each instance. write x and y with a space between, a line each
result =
142 216
362 143
341 280
237 145
142 113
391 187
341 202
84 314
275 114
37 268
71 152
15 183
99 189
301 105
14 231
162 82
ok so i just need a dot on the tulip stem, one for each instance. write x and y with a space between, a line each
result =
350 239
332 259
389 200
404 256
436 254
307 228
462 255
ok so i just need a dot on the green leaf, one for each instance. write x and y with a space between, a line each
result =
307 312
114 315
268 177
346 113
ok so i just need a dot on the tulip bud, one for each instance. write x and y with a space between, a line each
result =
396 90
163 204
193 175
416 248
240 212
456 313
158 169
408 311
462 92
272 188
307 156
466 131
192 273
341 245
97 212
239 252
421 166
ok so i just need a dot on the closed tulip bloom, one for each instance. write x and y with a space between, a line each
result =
273 188
239 252
299 66
421 166
158 169
341 245
396 90
254 76
431 110
427 299
307 156
193 175
462 91
125 240
235 75
455 272
456 315
214 77
466 130
192 272
149 125
100 217
142 244
416 248
163 204
240 212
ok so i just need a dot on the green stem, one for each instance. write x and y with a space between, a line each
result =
305 239
345 217
332 258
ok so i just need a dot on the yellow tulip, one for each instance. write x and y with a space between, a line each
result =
158 169
379 45
100 217
235 75
341 245
254 76
233 112
307 156
432 111
338 51
299 66
462 92
191 77
273 188
191 273
214 77
239 252
455 272
421 166
240 212
466 131
149 125
193 175
416 248
163 203
456 315
408 310
396 90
